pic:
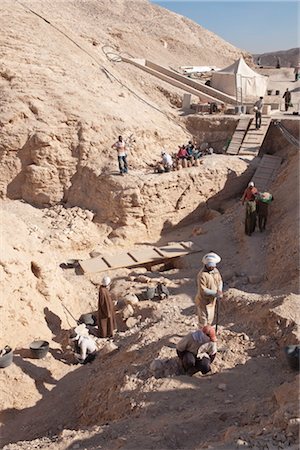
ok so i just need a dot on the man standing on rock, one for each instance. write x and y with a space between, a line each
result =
187 350
106 311
210 287
120 146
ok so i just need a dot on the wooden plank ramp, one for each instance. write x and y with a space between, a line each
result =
254 138
238 136
138 257
266 172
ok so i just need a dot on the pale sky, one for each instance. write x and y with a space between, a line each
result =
255 26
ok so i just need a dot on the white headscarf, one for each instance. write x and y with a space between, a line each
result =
106 281
211 259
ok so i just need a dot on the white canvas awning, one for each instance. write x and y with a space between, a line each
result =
239 80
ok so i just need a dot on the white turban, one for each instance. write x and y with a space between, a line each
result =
211 259
106 281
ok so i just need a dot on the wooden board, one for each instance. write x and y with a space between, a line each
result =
174 250
266 171
120 260
93 265
146 254
238 136
138 257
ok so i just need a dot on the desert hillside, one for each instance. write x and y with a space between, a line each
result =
63 106
65 98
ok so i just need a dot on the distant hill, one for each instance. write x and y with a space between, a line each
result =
288 58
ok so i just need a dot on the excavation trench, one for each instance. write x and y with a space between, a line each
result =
125 390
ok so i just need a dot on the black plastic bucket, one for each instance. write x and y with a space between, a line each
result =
39 349
7 358
292 353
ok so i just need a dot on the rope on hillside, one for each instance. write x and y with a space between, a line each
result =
288 136
109 74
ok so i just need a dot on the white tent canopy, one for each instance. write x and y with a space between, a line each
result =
240 81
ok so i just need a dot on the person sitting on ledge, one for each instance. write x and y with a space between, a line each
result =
167 161
182 153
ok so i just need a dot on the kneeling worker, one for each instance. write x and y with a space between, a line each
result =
210 286
85 347
188 347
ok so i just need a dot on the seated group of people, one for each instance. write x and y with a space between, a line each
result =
188 152
191 150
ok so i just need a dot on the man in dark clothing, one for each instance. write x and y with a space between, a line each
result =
262 212
287 99
106 311
250 220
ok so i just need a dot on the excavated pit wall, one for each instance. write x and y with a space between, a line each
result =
214 130
275 141
144 205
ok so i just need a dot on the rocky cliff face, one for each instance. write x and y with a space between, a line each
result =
148 204
62 106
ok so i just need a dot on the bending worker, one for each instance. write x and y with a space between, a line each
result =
188 347
210 287
85 347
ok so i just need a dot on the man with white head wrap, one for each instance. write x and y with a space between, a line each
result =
85 347
106 311
210 287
